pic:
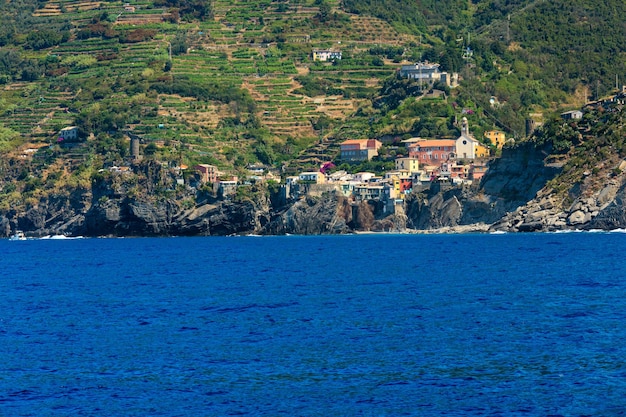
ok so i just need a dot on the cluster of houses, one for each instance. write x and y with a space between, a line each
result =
445 161
223 184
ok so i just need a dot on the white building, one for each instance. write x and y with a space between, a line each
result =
467 147
363 176
428 73
315 177
69 133
324 55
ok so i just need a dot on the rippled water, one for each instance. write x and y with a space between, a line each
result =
370 325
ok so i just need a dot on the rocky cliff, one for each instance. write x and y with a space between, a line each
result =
571 175
141 203
136 217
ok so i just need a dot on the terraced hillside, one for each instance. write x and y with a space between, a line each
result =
261 47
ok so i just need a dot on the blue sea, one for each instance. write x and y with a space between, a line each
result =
365 325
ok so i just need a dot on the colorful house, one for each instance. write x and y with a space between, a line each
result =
359 149
399 183
208 173
409 164
314 177
477 171
454 170
496 137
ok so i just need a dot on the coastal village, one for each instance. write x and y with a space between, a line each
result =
419 162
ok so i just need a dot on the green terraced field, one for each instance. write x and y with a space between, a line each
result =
258 45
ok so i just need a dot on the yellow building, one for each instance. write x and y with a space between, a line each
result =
409 164
482 151
496 137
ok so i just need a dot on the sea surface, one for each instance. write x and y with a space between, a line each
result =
365 325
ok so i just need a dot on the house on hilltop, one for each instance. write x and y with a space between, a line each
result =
428 73
572 115
68 133
324 55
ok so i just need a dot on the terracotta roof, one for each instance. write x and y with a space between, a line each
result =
435 142
354 141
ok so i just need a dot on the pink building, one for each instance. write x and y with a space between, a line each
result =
432 151
208 173
477 171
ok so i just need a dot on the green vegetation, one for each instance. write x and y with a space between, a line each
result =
233 82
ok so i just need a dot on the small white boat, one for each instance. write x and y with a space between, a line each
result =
18 235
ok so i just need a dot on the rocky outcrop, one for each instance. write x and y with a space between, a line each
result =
56 214
326 214
166 218
594 201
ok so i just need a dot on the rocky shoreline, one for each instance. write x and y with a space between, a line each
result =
518 194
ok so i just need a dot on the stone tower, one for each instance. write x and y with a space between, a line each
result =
134 149
464 127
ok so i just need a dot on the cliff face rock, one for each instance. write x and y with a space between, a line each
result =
612 216
135 204
581 199
523 191
433 209
166 218
129 217
57 214
326 214
595 202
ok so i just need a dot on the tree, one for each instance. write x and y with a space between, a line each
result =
150 149
7 136
324 12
